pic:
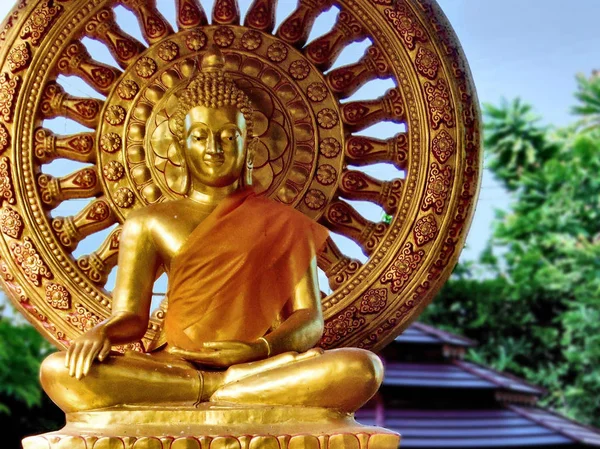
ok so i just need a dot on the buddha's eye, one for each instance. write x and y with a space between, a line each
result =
229 136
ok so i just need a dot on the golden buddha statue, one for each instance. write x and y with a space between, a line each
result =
244 308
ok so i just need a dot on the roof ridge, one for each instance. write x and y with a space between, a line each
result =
465 365
521 411
443 335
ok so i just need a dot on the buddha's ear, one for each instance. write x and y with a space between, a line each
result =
182 183
254 141
248 169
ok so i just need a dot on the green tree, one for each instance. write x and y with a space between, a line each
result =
535 308
24 408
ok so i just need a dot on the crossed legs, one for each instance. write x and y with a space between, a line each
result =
341 379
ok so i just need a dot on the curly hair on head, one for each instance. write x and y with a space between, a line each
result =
212 90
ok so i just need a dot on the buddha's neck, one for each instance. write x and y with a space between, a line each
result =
210 195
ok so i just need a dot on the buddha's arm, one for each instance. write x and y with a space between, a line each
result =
303 328
138 264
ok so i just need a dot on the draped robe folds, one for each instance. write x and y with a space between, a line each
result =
237 270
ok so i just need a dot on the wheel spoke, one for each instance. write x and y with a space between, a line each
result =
226 12
77 147
152 23
190 14
261 15
103 27
57 103
346 80
356 185
99 264
344 219
358 115
366 150
77 61
337 267
322 52
96 216
80 184
296 28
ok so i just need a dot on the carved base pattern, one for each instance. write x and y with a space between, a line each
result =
345 440
209 427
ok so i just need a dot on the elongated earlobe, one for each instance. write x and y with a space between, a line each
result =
247 174
182 185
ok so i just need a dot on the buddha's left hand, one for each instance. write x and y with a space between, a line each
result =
223 354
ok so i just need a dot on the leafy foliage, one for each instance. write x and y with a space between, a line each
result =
22 350
589 100
533 299
24 407
518 141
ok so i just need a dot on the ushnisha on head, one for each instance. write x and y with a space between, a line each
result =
212 124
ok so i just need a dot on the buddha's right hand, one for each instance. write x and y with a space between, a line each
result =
94 344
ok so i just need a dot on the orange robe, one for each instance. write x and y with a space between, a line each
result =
237 270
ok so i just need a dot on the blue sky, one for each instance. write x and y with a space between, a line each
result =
526 48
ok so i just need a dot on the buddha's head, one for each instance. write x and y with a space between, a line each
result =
212 123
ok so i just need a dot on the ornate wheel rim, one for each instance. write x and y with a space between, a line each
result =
308 141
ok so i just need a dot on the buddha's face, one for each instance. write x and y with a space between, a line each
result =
215 144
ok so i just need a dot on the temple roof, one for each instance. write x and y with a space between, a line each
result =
422 333
454 374
480 428
567 427
435 399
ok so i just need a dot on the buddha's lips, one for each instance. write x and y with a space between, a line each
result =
214 160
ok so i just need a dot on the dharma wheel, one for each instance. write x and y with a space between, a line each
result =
313 154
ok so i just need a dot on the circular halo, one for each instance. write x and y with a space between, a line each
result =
313 155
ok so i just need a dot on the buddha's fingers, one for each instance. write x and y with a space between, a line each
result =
87 348
68 355
89 358
73 357
104 351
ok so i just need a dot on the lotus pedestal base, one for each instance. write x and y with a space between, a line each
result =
214 426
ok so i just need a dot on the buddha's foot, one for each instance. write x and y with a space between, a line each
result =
238 372
214 426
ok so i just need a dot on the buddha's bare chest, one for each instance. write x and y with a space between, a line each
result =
172 228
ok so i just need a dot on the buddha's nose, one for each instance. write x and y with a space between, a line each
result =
214 147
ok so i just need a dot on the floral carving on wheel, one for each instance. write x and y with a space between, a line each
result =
438 188
347 322
373 300
58 296
11 223
32 265
426 230
401 269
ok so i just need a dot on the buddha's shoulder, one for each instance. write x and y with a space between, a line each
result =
158 213
272 209
264 203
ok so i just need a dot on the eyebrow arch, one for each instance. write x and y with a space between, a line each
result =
230 126
198 126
